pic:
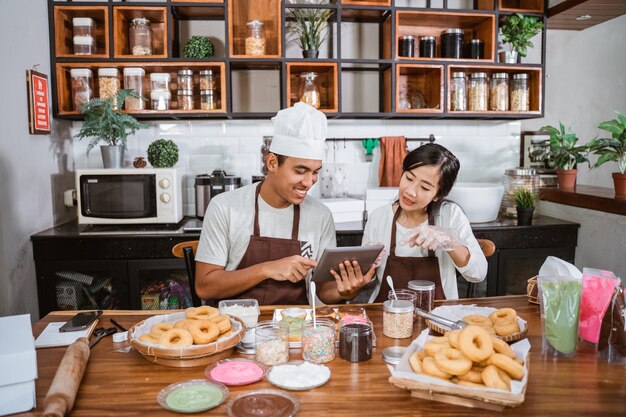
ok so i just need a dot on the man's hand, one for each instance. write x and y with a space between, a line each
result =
292 268
350 278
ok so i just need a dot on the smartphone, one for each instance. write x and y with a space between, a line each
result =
80 321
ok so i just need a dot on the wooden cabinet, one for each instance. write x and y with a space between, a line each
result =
361 73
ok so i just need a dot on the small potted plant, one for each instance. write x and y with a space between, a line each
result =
104 124
613 149
565 154
163 153
525 205
518 30
311 29
198 47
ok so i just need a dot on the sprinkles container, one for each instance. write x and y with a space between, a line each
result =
318 342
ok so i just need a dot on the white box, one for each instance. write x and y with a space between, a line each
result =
18 362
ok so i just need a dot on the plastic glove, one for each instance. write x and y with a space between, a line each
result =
435 238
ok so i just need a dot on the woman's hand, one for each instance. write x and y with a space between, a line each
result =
435 238
351 279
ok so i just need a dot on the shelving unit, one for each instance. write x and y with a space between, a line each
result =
362 81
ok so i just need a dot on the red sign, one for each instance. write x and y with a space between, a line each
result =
38 104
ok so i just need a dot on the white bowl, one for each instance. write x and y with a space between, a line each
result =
479 200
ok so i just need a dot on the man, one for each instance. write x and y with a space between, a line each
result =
261 241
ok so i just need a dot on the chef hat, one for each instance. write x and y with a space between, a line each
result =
299 131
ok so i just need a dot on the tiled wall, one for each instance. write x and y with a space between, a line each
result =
485 148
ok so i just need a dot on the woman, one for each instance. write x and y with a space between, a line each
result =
427 237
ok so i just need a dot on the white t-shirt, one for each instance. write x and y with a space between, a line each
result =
378 229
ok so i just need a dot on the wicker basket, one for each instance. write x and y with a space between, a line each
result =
509 339
532 290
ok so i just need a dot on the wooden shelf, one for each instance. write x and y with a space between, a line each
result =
243 11
587 196
426 80
63 30
385 3
122 16
326 80
528 6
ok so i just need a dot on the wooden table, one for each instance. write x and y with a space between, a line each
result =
125 384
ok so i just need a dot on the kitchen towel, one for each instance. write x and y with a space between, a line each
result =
392 153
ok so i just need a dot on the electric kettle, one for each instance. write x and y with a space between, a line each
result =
208 186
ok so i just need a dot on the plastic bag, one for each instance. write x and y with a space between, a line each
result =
597 292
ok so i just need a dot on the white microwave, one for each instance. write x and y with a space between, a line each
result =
129 196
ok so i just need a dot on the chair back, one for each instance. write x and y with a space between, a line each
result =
489 248
187 251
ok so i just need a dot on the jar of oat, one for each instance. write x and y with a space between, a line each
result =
499 92
208 100
520 93
82 87
309 91
398 318
208 80
477 94
140 36
255 40
108 84
458 92
185 79
160 100
133 80
185 99
272 342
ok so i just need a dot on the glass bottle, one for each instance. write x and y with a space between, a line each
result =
133 80
309 91
458 92
499 92
477 92
82 87
520 93
140 36
108 84
255 40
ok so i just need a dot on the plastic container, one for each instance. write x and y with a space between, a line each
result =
272 342
475 49
398 319
140 36
499 92
424 294
208 100
458 92
519 96
255 40
192 396
427 46
108 84
84 45
160 100
355 340
309 90
318 341
185 99
246 309
208 80
514 179
452 43
83 26
294 318
477 92
407 295
185 79
82 87
406 46
263 402
160 81
133 80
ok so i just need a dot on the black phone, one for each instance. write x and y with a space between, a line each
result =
80 321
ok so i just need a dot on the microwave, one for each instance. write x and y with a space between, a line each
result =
129 196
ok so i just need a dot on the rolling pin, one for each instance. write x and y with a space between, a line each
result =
62 393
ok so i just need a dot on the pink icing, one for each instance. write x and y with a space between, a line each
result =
236 372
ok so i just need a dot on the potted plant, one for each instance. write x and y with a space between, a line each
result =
198 47
565 154
525 205
613 149
518 30
104 124
163 153
311 29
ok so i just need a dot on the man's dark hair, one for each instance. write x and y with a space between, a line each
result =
281 160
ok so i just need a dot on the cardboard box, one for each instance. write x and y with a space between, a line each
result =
18 362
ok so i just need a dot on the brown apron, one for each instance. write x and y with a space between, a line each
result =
407 268
264 249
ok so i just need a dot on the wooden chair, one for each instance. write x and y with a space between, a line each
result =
489 248
187 251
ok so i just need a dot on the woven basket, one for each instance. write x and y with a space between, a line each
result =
510 338
532 290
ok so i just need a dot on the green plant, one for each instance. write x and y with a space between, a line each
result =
310 27
105 124
198 47
524 198
163 153
518 30
563 150
613 148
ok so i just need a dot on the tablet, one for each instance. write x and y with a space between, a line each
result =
332 257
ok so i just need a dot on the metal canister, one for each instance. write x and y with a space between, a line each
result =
514 179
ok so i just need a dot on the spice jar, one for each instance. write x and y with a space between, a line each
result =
452 43
208 80
309 91
520 93
160 100
185 79
160 81
255 41
398 319
514 179
140 36
477 92
458 92
108 84
318 341
424 294
208 101
355 340
427 46
185 99
272 343
499 92
133 80
407 46
475 49
82 87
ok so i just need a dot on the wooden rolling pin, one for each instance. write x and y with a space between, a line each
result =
62 393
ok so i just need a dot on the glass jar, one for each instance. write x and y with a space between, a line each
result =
424 294
318 341
458 92
208 101
477 92
208 80
406 46
83 26
160 100
185 79
82 87
309 91
133 80
140 36
427 46
398 319
272 342
84 45
160 81
406 295
108 84
255 40
452 43
185 99
499 92
520 93
475 49
514 179
355 340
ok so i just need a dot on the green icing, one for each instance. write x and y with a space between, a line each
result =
561 305
194 398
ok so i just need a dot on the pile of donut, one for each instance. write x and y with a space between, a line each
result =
502 322
202 325
470 357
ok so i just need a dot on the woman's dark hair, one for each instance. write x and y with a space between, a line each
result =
433 154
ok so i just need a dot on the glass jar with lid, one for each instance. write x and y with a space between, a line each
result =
452 43
520 93
108 84
185 99
133 80
83 26
255 40
424 294
355 339
499 92
185 79
477 93
82 87
398 318
318 340
427 46
458 92
309 90
208 80
406 47
208 100
272 342
514 179
140 36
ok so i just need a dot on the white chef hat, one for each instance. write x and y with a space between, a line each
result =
300 132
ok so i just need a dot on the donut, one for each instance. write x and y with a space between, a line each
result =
506 315
474 375
477 320
325 312
503 328
158 329
453 338
435 344
508 365
204 331
475 343
350 310
149 338
176 338
415 362
452 361
470 384
500 346
202 312
489 329
183 324
223 323
429 367
493 379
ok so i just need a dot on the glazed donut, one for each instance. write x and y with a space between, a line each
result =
500 346
176 338
505 315
475 343
503 328
223 323
453 338
477 320
493 378
204 331
474 375
435 344
202 312
429 367
158 329
183 324
415 362
452 361
508 365
149 338
350 310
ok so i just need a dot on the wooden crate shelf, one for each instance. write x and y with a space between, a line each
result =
122 16
529 6
243 11
384 3
326 80
424 79
63 30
